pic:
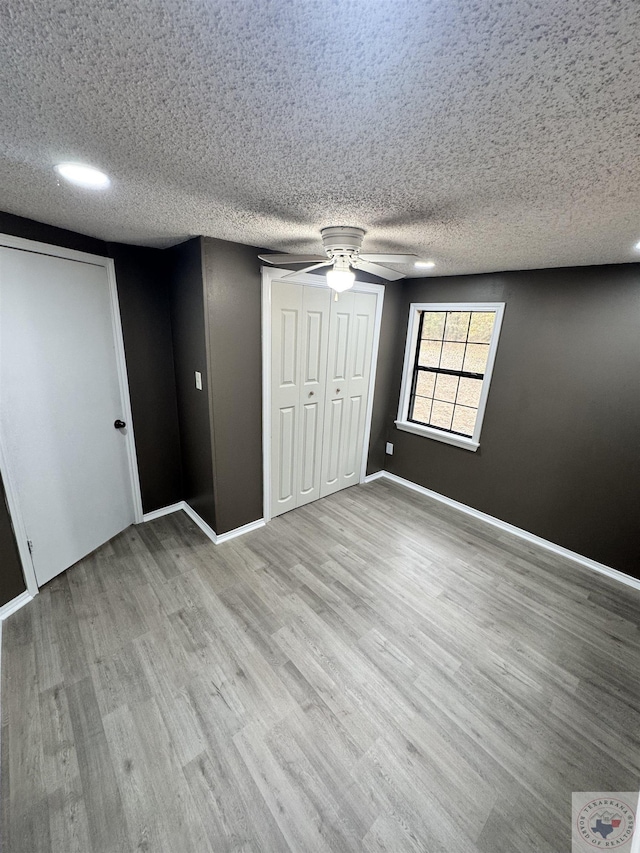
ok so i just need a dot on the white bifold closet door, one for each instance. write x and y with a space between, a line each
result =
59 398
320 369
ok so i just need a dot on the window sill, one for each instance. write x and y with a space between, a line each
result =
446 437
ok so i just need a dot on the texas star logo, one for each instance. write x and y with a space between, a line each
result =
606 824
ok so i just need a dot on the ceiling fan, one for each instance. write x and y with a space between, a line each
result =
342 246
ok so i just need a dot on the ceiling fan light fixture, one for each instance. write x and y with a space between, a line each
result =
340 278
424 265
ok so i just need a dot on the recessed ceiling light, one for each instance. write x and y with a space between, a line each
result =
83 176
424 265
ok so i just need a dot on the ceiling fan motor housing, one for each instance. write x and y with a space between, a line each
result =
342 240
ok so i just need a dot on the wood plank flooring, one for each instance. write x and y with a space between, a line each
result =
371 672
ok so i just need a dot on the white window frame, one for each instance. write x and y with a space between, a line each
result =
403 423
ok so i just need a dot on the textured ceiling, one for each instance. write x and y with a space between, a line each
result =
484 134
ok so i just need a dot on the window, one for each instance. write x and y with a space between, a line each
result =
447 370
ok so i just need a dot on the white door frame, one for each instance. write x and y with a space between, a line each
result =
10 242
270 274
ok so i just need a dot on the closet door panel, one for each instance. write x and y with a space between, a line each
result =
358 374
352 448
309 452
286 312
287 455
314 337
340 329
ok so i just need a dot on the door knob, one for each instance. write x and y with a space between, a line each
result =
119 424
311 393
337 390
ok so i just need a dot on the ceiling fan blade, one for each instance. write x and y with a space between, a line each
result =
376 269
325 263
292 259
379 258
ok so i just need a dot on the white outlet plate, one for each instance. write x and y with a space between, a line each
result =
198 380
389 449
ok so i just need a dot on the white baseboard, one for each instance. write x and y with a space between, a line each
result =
240 531
165 510
15 604
216 538
588 563
202 524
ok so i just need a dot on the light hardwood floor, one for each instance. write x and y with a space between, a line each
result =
371 672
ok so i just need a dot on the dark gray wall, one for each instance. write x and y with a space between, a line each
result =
392 334
559 450
147 339
143 292
233 306
187 300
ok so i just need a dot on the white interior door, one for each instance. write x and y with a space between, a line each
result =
350 348
59 399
